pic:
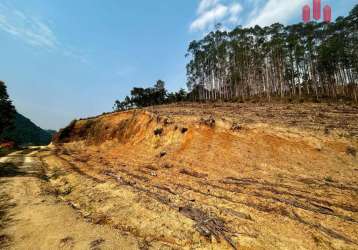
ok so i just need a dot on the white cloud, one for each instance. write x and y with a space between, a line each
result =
257 12
209 17
33 31
29 29
275 11
256 4
206 4
235 9
211 12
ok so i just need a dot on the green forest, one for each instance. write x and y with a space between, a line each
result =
16 128
25 132
308 61
318 60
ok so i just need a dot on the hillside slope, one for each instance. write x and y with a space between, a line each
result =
224 176
26 132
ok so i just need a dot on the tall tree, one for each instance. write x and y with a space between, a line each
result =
7 109
296 61
160 92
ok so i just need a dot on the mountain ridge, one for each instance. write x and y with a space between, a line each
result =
27 132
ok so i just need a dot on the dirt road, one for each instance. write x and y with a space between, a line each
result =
31 219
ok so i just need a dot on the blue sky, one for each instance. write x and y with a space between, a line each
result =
66 59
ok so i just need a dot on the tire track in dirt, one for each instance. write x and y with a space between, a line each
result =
32 220
143 184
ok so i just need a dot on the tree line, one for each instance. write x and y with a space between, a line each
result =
145 97
7 109
312 60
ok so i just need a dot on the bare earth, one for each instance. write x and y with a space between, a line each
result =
221 176
32 219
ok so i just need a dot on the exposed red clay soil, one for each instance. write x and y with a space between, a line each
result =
215 176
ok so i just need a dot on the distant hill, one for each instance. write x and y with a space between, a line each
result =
26 132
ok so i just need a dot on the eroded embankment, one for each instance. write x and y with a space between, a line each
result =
199 181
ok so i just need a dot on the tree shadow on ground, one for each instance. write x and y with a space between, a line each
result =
15 167
11 169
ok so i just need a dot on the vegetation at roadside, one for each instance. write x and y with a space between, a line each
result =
25 132
5 151
16 128
145 97
7 109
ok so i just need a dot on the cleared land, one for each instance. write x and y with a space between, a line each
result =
211 176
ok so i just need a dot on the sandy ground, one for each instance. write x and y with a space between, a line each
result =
30 219
190 177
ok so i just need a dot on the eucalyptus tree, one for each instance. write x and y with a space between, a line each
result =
301 60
